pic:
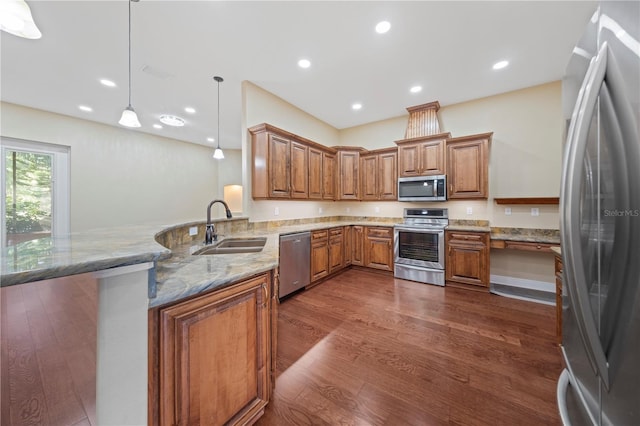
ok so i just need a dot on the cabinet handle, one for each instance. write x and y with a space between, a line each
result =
265 295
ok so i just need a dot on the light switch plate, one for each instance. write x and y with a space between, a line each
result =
319 210
377 209
193 231
276 211
469 210
507 211
535 211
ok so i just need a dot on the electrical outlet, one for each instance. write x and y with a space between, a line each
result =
469 210
319 210
535 211
507 211
276 211
377 209
348 209
193 231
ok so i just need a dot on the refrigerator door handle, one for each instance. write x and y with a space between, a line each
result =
571 240
561 395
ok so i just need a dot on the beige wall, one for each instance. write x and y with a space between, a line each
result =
120 176
261 106
525 161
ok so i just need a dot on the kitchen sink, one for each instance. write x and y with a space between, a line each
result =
233 245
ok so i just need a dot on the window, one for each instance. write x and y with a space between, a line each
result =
35 195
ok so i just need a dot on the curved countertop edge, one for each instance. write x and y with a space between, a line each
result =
23 277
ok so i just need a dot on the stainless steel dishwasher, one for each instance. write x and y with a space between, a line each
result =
295 259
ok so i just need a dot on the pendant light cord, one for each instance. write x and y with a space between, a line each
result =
218 113
130 53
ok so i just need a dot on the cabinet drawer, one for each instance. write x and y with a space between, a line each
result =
530 246
335 232
465 237
379 232
319 235
558 266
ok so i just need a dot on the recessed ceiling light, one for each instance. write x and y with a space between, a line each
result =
172 120
382 27
416 89
190 110
107 83
356 106
500 65
157 126
211 140
85 108
304 63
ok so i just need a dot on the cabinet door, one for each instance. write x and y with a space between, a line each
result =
319 255
328 176
432 158
336 252
315 173
369 177
214 356
358 245
468 169
388 176
278 167
348 245
378 248
408 160
348 177
467 259
299 170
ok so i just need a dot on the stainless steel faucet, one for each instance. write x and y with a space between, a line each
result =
210 233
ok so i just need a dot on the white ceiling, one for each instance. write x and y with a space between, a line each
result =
447 47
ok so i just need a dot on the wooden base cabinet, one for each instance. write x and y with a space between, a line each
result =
357 244
467 259
319 255
214 357
378 248
336 249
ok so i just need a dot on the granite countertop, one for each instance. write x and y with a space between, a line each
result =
179 274
550 236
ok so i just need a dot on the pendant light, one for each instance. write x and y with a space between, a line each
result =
218 154
129 117
16 19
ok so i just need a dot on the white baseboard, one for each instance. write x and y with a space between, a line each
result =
524 283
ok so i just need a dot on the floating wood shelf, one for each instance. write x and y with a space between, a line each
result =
528 200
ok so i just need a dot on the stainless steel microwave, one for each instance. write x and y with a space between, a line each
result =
422 188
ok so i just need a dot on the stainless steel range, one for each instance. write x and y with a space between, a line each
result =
419 245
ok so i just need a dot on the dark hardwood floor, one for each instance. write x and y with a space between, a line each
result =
361 348
48 352
364 349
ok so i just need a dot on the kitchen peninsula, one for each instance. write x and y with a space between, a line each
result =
149 282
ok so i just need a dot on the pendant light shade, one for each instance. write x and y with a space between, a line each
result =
218 154
16 19
129 117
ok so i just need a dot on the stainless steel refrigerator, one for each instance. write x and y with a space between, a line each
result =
600 222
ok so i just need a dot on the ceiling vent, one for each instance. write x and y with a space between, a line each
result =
423 120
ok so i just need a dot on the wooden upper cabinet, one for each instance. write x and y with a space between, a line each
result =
379 175
299 170
289 166
315 174
328 176
348 171
279 170
422 156
468 166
